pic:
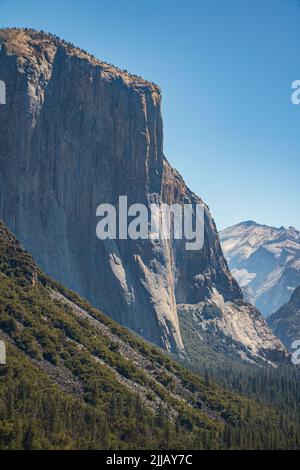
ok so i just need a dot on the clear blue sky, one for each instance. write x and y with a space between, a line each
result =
225 68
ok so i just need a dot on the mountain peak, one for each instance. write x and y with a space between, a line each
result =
296 295
86 133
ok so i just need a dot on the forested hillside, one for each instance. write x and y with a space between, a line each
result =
75 379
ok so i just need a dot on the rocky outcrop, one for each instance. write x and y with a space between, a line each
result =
75 133
265 261
286 321
235 328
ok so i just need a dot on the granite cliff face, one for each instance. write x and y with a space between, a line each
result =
75 133
265 261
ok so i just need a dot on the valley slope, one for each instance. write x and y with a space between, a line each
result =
77 132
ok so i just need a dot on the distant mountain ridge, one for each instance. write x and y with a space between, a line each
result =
265 261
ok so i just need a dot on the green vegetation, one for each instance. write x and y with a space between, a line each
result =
80 381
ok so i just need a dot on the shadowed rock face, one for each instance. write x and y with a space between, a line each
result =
286 321
75 133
